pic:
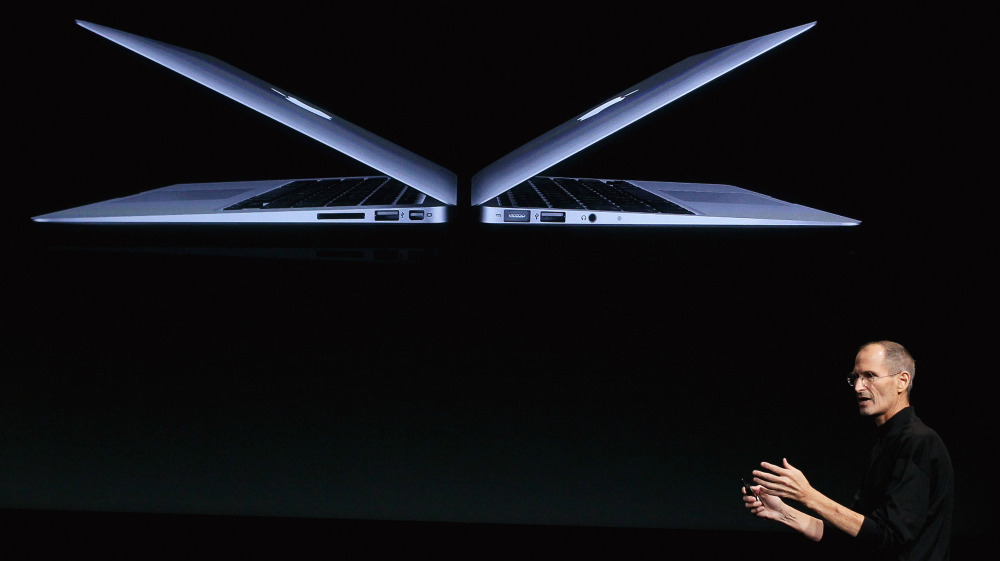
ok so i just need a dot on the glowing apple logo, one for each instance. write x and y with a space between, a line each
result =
604 106
302 104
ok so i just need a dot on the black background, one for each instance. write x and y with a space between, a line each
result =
505 383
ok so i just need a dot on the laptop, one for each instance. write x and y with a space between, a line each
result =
509 191
410 189
407 189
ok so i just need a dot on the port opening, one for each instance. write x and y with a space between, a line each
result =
517 215
386 215
340 216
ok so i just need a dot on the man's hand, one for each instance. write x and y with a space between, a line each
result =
780 482
764 505
786 482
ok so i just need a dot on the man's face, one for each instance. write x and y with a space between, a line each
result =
878 391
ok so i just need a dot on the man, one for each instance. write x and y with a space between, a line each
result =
904 506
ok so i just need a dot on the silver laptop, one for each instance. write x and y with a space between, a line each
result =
509 191
411 189
408 188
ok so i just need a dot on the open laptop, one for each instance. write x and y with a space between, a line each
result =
508 191
415 190
408 189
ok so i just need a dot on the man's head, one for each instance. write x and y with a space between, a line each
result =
883 375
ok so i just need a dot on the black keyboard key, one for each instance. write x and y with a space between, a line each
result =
386 194
554 194
357 194
585 194
524 195
355 191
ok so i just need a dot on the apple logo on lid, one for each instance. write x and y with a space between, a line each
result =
302 104
604 106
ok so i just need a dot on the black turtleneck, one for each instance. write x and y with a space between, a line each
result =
906 495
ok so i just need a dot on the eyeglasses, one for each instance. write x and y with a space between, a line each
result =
866 378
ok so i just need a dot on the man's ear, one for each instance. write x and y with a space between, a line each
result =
903 381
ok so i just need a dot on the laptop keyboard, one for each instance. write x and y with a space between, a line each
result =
585 194
352 191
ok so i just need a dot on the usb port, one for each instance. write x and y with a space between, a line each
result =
416 215
517 216
386 215
553 216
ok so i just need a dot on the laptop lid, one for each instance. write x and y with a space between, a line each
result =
308 119
618 112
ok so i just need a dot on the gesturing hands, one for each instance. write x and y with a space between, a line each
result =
786 482
775 483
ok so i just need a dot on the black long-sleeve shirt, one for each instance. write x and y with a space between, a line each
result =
907 493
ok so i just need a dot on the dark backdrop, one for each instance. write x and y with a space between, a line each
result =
538 379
